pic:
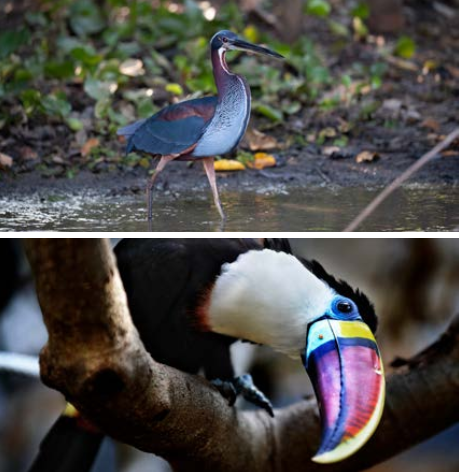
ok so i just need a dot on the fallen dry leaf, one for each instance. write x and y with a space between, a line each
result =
431 124
449 152
228 165
336 152
328 132
366 156
27 153
262 160
402 63
58 160
88 145
328 151
454 71
257 141
5 161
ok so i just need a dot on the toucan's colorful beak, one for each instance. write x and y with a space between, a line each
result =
343 362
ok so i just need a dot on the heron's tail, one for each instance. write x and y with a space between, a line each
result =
71 445
128 131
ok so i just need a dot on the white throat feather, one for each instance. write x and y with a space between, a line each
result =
268 297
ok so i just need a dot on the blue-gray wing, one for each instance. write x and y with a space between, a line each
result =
173 130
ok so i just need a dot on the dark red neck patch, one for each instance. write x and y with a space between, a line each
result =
200 315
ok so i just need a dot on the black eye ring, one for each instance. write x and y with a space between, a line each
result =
344 307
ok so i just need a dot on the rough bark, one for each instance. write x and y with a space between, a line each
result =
95 358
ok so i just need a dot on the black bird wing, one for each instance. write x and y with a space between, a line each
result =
174 130
165 279
71 445
278 244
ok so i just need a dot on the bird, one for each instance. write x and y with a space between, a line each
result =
201 128
191 299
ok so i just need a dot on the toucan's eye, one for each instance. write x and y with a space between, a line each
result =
344 307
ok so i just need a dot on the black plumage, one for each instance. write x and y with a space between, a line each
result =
365 307
165 281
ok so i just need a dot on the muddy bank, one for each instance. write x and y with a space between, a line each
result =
297 168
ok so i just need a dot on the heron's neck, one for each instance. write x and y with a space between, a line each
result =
224 78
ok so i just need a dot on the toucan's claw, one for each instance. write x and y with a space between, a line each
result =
244 386
227 390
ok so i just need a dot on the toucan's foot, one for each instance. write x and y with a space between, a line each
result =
244 386
227 389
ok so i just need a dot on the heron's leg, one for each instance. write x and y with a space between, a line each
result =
161 164
208 163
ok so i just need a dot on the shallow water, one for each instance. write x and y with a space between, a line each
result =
314 209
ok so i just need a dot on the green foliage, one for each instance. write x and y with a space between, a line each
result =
318 8
11 40
86 18
405 47
125 59
361 10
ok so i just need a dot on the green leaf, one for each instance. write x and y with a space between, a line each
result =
145 108
338 29
341 141
291 107
405 47
102 107
36 18
11 40
318 8
59 70
270 112
346 80
86 18
31 100
176 89
362 11
99 90
86 55
56 105
360 28
74 124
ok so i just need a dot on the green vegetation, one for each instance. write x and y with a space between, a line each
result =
95 68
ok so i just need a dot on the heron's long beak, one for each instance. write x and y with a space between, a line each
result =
246 46
343 362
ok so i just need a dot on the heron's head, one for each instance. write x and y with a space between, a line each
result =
227 40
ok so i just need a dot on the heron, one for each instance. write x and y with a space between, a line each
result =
201 128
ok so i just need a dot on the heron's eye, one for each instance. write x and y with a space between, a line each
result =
224 40
344 307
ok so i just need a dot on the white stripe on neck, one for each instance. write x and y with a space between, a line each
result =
221 55
269 298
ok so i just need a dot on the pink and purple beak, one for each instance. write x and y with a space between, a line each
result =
344 364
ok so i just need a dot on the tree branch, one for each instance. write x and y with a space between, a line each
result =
395 184
96 359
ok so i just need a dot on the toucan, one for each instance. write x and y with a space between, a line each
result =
190 299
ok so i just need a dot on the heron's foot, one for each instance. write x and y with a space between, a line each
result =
244 386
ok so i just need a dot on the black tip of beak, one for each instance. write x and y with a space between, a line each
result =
246 46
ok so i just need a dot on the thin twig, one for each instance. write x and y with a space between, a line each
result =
366 212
